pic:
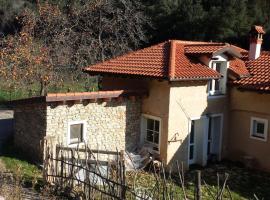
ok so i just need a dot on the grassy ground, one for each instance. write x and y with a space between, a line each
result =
21 180
243 183
16 163
27 171
147 181
25 175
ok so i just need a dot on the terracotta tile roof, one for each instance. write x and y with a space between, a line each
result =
238 67
214 48
151 61
203 48
165 60
188 67
80 96
259 70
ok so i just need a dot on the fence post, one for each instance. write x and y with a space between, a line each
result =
123 175
62 170
57 150
198 184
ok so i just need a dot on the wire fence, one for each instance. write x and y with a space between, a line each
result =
96 174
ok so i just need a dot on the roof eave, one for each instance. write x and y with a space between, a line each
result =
253 90
124 75
228 50
194 79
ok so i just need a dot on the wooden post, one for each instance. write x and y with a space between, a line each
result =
57 150
123 175
198 184
62 170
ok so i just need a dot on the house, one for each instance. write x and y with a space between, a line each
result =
250 108
183 100
185 116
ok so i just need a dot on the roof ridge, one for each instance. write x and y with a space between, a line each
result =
208 44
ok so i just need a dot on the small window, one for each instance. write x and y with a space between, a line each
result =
152 131
258 128
76 133
218 86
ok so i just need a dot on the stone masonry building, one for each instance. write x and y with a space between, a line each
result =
102 120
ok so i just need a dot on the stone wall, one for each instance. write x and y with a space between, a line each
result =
109 125
30 129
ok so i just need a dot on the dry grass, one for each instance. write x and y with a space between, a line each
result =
11 186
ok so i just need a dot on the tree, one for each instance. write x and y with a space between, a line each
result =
89 31
25 63
215 20
55 41
9 9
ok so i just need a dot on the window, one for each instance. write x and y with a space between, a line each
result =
258 128
218 86
151 126
76 132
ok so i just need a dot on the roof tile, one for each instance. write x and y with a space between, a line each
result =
165 60
259 70
175 60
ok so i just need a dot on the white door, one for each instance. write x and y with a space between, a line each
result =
214 136
198 141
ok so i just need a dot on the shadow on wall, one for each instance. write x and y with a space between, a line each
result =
6 132
132 115
208 137
133 123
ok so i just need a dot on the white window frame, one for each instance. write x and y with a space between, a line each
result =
256 135
144 130
84 132
223 70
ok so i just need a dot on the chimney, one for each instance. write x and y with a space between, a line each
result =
256 37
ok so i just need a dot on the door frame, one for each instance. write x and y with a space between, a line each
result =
189 129
221 115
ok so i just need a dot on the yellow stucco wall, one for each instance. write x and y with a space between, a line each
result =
243 106
168 102
188 100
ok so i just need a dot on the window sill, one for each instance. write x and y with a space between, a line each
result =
258 138
217 96
80 145
151 146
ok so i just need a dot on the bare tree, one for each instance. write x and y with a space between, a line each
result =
55 44
89 32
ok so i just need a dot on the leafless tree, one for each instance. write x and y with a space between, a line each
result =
89 31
